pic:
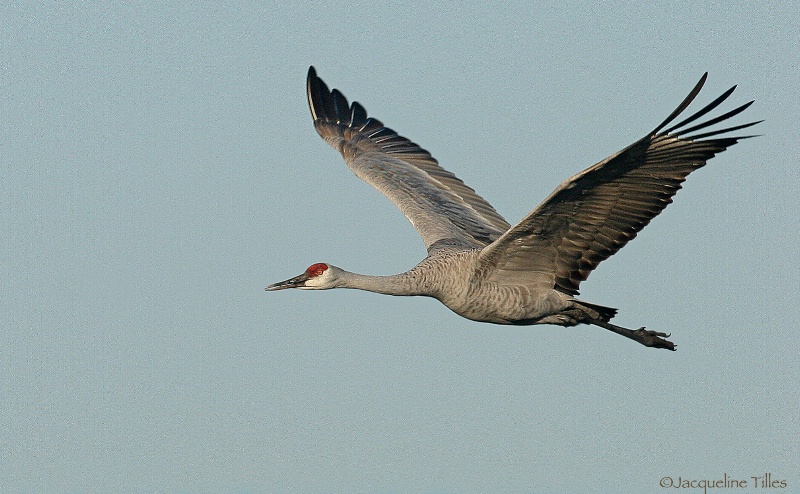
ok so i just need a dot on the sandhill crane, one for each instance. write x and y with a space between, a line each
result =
480 266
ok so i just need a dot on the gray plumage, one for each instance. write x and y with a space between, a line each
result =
480 266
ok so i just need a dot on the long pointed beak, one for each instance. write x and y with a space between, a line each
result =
296 282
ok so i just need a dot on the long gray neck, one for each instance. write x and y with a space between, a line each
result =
399 284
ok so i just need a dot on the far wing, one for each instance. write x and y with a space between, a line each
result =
445 211
592 215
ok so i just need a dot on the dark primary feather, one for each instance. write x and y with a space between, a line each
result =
445 211
592 215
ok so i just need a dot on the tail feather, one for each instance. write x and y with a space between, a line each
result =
605 314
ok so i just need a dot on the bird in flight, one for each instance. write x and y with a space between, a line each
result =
480 266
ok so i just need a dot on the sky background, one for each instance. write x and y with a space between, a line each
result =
160 168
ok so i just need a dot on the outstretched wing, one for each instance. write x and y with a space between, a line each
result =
592 215
445 211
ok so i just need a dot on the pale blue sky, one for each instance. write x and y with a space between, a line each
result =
161 168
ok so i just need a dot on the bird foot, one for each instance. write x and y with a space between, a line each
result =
653 339
644 336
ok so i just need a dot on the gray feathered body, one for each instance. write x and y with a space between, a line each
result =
470 292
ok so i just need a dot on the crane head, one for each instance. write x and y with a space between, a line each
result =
319 276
